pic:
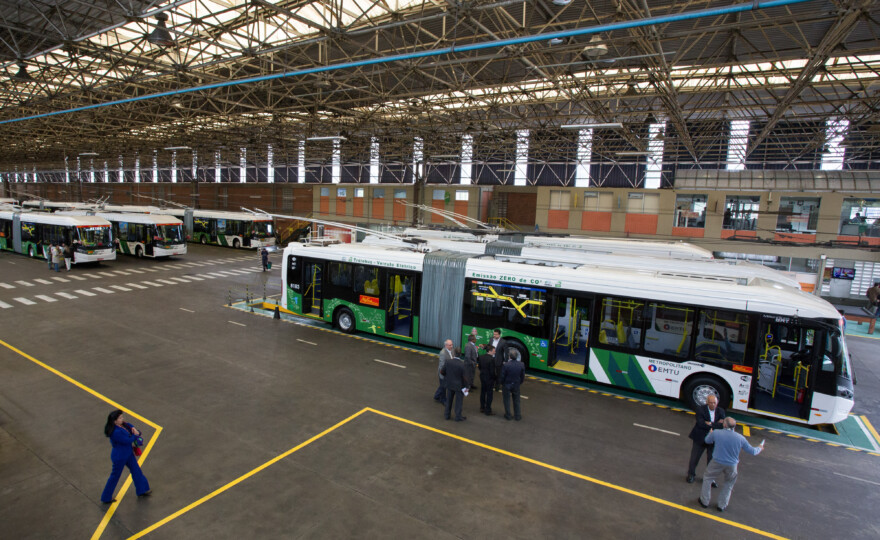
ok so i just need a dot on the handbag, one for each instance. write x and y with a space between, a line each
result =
138 440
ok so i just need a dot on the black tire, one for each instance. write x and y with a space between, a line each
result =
523 353
236 243
139 252
345 320
696 390
204 240
31 252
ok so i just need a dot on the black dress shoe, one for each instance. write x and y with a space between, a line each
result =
490 413
483 410
108 502
460 419
701 503
714 484
721 509
508 417
146 493
690 479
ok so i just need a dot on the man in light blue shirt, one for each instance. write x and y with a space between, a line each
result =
728 444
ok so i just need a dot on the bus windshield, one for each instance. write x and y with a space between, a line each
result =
169 234
262 229
836 358
94 237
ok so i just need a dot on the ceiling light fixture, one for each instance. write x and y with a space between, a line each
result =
595 47
22 74
328 138
598 125
176 148
88 153
635 153
160 35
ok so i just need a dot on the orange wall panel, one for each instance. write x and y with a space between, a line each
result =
732 233
440 205
378 208
324 205
399 213
596 221
795 238
557 219
641 224
690 232
854 240
341 209
460 207
357 207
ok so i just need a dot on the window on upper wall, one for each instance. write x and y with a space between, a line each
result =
439 195
642 203
325 192
559 199
741 213
400 194
359 193
341 192
595 201
798 214
690 211
379 193
859 217
461 195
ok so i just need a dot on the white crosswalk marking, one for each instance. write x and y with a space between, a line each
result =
109 274
43 281
7 286
207 276
195 278
135 285
119 288
121 272
136 271
175 266
4 305
84 292
180 279
45 298
25 283
61 279
66 295
93 276
25 301
78 278
166 282
218 274
149 269
105 291
152 283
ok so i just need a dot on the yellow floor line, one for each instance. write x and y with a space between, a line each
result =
158 430
870 428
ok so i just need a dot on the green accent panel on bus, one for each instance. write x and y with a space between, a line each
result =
123 245
537 348
38 250
623 370
221 239
3 244
368 319
294 301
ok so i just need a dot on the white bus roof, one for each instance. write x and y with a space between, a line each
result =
757 295
58 219
151 219
218 214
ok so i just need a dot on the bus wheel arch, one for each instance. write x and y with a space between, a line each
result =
139 252
344 319
697 387
204 240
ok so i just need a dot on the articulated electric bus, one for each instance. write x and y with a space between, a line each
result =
147 235
29 233
760 347
232 229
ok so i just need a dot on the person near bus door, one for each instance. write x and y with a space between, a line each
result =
68 254
57 256
500 345
513 374
455 374
709 416
446 354
728 444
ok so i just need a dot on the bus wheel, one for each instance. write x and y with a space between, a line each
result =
139 252
236 244
31 252
698 389
204 240
345 320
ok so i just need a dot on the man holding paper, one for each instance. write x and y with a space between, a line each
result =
728 444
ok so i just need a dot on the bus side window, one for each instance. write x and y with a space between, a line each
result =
721 337
622 321
670 328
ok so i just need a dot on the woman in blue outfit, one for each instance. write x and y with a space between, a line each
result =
123 456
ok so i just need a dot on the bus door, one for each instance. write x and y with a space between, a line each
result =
571 332
399 307
151 236
313 290
246 230
788 353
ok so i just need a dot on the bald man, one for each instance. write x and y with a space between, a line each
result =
728 444
709 417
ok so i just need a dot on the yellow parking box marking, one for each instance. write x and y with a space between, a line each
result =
158 430
746 430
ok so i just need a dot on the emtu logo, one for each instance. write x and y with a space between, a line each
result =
652 368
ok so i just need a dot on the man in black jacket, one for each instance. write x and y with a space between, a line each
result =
456 379
513 374
487 380
709 416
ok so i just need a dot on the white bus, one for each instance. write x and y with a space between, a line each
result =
232 229
144 235
762 348
29 233
586 244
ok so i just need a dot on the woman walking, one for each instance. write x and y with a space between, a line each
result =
122 436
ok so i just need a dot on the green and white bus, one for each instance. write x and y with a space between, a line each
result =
147 235
760 347
232 229
29 233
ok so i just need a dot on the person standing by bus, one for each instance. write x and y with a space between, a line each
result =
728 444
444 356
455 375
264 257
709 416
122 456
470 358
67 255
499 345
486 361
57 256
513 374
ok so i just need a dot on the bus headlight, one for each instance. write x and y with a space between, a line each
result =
844 392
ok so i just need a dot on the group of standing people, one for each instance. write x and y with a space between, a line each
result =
58 253
501 369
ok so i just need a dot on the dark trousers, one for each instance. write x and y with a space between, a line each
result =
696 452
486 395
440 393
450 400
506 394
140 481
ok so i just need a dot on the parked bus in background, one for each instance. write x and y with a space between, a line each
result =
90 237
760 347
143 235
232 229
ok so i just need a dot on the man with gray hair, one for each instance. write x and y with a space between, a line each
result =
728 444
446 353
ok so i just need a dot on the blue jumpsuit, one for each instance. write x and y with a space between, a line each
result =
123 456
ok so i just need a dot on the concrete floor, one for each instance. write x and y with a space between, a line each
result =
230 398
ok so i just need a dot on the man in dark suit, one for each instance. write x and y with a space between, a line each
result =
709 416
513 374
500 348
456 380
487 380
